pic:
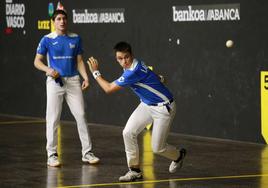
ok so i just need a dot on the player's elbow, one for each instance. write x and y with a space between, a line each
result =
38 61
36 64
111 88
108 91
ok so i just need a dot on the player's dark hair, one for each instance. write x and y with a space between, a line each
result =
123 47
57 12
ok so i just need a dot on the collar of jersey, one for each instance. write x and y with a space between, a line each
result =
55 35
133 65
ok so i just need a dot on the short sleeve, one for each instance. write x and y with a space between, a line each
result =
42 47
127 78
80 46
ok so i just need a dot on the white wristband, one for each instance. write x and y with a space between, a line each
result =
96 73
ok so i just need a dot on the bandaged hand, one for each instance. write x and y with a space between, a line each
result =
93 67
93 64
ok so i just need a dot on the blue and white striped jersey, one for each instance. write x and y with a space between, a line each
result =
145 83
61 52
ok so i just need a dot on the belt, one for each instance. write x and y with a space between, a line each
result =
165 103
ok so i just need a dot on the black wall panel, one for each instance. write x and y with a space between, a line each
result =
216 88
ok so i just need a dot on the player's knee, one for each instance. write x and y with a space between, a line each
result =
128 134
79 115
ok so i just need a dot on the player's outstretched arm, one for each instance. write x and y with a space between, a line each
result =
105 85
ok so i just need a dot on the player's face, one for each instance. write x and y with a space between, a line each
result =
125 59
60 23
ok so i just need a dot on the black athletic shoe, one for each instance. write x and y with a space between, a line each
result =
177 163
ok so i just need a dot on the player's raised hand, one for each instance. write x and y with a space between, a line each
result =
93 64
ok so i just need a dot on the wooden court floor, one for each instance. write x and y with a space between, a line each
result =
210 163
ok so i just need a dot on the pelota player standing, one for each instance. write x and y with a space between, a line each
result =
64 56
157 106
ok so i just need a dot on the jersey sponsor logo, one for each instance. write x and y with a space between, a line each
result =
71 45
54 43
62 57
121 79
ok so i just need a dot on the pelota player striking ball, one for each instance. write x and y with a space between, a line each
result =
63 51
157 106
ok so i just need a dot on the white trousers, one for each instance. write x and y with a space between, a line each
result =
72 93
139 119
